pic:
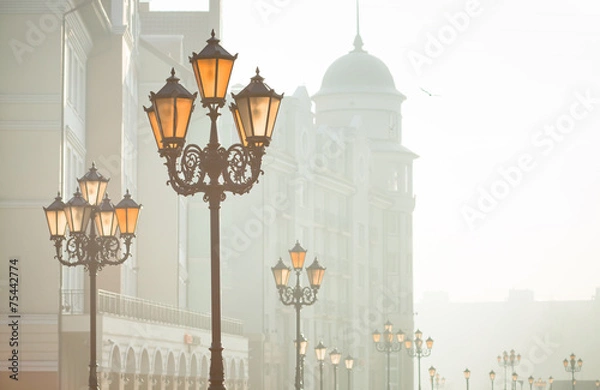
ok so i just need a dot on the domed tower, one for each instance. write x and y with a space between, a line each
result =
360 85
359 106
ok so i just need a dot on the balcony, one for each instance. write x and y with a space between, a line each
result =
75 303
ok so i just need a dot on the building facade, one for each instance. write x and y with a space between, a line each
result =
70 97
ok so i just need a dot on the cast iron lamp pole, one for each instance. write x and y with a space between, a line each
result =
298 296
508 360
416 349
335 358
467 374
572 366
349 362
391 343
432 375
96 247
213 170
514 380
492 377
320 352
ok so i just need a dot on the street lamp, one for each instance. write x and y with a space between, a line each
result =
492 377
415 348
213 170
508 360
320 352
550 381
349 361
432 375
301 348
335 358
540 384
439 381
467 374
572 366
530 380
92 221
390 343
514 380
298 296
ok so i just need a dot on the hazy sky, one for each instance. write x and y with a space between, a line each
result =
508 179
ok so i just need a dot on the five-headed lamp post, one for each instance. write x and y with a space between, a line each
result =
213 169
507 360
572 366
93 222
297 295
391 343
415 348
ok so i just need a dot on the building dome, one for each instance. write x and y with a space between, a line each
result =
357 71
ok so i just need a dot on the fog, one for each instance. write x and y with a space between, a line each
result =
437 158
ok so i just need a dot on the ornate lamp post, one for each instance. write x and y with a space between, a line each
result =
415 348
572 366
508 360
93 222
349 361
550 381
213 170
492 377
514 380
467 374
335 358
390 343
320 352
432 375
298 296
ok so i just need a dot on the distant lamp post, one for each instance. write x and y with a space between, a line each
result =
467 374
492 377
432 375
391 342
213 169
573 366
302 352
439 381
93 222
550 381
416 348
349 361
507 360
530 380
320 352
335 358
540 384
298 296
597 384
514 380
